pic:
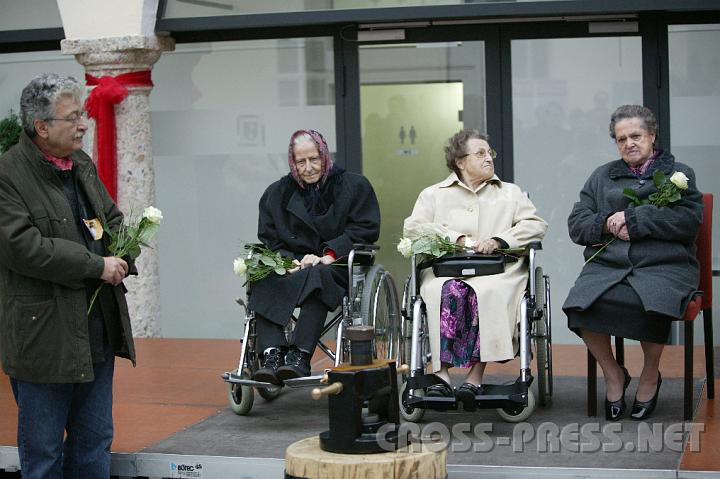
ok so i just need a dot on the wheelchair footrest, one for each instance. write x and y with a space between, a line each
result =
243 381
305 382
435 403
308 381
499 395
491 396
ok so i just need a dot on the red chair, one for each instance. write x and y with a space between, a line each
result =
701 301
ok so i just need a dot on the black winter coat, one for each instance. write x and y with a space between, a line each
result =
285 226
659 261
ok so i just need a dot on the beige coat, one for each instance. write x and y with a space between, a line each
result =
496 209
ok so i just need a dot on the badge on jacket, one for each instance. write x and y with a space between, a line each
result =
94 227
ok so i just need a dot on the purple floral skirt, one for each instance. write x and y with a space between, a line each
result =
459 333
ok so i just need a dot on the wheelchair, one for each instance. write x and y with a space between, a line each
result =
371 300
514 402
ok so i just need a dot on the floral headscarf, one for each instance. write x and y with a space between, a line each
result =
322 147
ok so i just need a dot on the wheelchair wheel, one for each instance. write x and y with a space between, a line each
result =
240 397
408 413
543 350
518 413
379 308
270 394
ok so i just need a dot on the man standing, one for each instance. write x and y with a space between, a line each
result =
59 356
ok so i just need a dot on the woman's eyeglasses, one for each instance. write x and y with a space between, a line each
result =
482 154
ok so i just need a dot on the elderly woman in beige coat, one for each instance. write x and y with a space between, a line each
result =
473 320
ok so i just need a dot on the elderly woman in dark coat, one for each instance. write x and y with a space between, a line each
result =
314 214
642 281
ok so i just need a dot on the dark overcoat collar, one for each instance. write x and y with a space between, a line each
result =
296 206
664 162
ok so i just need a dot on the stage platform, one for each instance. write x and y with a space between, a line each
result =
171 412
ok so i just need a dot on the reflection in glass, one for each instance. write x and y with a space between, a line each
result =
19 15
694 63
222 115
17 69
563 92
413 98
204 8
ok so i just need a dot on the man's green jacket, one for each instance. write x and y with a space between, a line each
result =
43 265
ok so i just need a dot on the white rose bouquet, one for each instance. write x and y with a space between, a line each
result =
435 246
130 236
261 262
133 234
669 192
429 244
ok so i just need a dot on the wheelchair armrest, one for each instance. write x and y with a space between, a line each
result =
363 254
536 245
365 247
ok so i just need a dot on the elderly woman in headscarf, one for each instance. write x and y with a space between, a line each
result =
473 320
314 215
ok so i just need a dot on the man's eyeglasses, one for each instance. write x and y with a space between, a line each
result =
75 118
482 154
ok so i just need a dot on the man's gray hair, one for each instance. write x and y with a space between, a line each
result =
40 96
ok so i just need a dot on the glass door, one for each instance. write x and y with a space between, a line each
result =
694 71
563 92
546 103
413 97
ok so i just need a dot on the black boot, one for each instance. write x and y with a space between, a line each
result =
272 359
297 365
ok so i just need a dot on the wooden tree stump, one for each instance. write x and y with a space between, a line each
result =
304 459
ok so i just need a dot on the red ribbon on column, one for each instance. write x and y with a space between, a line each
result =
100 105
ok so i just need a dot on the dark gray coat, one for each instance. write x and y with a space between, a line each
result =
284 225
659 261
44 263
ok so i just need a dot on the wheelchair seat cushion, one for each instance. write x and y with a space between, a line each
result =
462 265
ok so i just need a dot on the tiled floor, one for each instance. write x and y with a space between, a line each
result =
177 384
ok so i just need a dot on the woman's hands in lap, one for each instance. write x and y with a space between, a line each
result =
310 260
616 225
485 246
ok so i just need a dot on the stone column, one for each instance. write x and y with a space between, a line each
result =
136 173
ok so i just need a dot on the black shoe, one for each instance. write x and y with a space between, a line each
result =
442 390
467 395
642 409
297 365
614 410
272 359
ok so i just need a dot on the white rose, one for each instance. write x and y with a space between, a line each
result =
680 180
153 214
239 267
404 247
